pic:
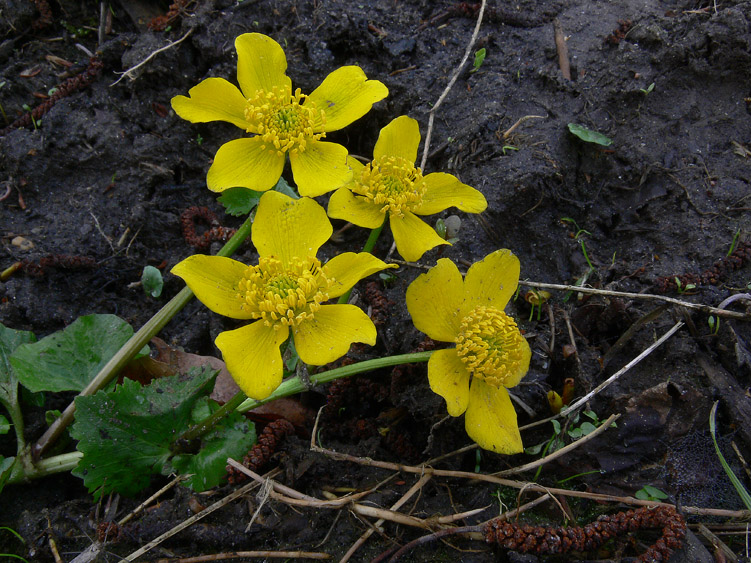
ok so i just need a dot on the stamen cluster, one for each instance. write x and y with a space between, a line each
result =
284 296
393 183
490 345
280 119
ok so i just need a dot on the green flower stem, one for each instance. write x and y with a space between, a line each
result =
209 422
294 385
62 463
369 246
132 346
16 417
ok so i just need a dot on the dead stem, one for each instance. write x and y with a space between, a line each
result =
396 506
454 77
649 296
473 532
129 72
571 408
249 554
425 470
193 519
561 452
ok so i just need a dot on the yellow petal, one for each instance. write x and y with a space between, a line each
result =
355 209
349 268
449 378
320 168
434 301
346 95
413 237
491 419
513 378
491 281
444 191
243 163
261 64
289 228
214 280
331 332
400 138
214 99
253 358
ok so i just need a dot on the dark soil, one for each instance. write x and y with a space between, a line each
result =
110 168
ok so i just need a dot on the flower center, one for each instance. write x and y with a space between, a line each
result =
280 119
392 183
283 296
490 345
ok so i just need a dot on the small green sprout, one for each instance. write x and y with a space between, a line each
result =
648 89
388 278
479 58
152 281
28 108
734 243
714 324
589 136
648 492
509 147
683 288
199 140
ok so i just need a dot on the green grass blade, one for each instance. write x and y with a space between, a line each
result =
740 489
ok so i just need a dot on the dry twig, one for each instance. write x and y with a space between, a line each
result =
571 408
129 72
431 116
649 296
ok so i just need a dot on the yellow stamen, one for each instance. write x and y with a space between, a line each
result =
284 124
283 296
490 345
392 183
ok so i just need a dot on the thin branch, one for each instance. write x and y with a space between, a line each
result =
396 506
420 470
457 72
193 519
129 72
649 296
571 408
563 451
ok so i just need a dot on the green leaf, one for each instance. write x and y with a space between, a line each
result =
283 187
556 426
534 450
10 340
52 416
6 468
152 281
589 136
233 437
641 494
479 58
125 434
654 492
587 428
4 425
575 433
239 201
68 360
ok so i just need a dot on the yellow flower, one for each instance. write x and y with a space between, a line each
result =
282 121
490 355
284 292
391 185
